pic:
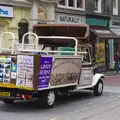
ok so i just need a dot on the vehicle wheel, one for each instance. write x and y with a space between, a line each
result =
8 101
49 99
98 88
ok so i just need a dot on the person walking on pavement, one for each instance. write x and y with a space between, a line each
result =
117 62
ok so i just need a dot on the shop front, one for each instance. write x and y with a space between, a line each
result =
115 44
100 38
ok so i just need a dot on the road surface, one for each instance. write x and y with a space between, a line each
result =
79 106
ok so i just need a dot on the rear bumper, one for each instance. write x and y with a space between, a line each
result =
16 94
10 98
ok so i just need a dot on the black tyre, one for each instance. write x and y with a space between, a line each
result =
8 102
98 88
48 99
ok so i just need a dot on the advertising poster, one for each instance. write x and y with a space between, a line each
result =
13 69
8 69
45 72
65 71
25 69
86 77
58 71
5 67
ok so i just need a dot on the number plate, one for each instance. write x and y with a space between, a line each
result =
4 94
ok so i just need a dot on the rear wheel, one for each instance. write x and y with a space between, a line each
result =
98 88
8 101
48 99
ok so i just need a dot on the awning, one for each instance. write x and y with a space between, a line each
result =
104 33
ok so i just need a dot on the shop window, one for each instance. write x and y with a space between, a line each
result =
86 58
100 53
115 7
75 4
23 28
97 4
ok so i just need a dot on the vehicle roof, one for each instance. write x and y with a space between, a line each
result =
61 25
79 31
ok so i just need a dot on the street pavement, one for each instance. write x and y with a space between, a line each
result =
79 106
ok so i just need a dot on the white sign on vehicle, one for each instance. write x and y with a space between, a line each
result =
13 75
86 77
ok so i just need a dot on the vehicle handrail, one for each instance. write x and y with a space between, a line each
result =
13 42
50 51
30 33
62 37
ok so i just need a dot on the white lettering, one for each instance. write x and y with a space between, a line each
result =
44 72
45 67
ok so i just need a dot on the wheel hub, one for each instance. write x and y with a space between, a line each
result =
100 87
51 98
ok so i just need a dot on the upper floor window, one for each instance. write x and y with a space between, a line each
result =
71 3
62 2
115 7
80 3
97 4
75 4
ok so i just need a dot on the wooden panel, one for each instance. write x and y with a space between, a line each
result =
36 70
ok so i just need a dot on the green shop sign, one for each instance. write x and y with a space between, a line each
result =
97 21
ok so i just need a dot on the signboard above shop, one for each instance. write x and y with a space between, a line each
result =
69 19
115 23
6 11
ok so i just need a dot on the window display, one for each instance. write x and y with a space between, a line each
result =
100 54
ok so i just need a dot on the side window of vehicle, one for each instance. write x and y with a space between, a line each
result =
86 58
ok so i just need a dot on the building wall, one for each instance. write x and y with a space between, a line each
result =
67 15
28 12
19 15
106 6
11 24
46 16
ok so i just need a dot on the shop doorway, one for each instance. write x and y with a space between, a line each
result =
23 28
